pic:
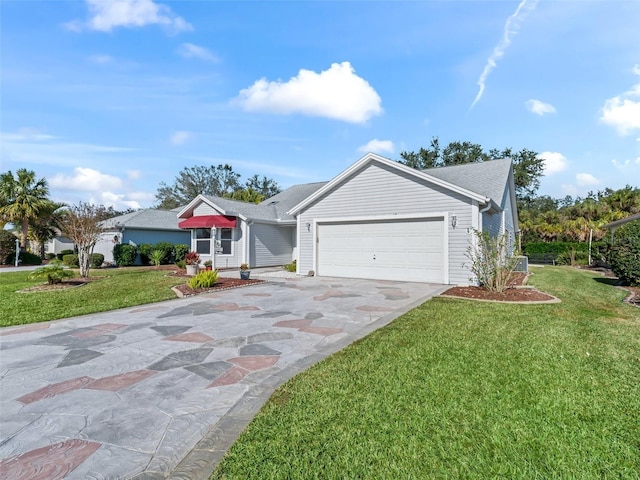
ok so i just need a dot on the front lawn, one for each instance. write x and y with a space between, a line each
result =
458 389
117 288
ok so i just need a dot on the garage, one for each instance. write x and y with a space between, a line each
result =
410 250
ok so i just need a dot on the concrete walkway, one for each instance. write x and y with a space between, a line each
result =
163 390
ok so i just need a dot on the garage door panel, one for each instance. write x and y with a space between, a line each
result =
410 250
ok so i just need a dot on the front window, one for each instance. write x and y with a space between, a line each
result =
226 239
203 241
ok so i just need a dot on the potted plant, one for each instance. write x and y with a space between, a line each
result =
192 260
208 265
245 272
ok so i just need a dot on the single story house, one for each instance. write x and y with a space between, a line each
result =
142 226
230 232
378 219
57 244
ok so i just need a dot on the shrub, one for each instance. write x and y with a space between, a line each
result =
53 273
97 259
50 256
63 253
168 252
180 264
491 261
573 257
561 251
291 267
624 254
124 254
204 279
25 258
145 249
7 245
71 260
180 250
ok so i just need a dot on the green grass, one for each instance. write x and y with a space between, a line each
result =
459 389
122 287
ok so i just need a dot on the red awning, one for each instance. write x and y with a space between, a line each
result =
208 221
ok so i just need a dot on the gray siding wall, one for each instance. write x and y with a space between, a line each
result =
379 191
508 218
492 223
270 245
204 209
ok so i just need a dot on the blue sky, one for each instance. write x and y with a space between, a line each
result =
108 98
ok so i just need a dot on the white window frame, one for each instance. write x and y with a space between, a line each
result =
196 241
230 240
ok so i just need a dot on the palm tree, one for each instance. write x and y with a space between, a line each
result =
47 225
21 199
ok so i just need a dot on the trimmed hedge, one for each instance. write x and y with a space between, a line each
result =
63 253
7 245
624 254
180 250
71 260
124 254
25 258
561 251
97 259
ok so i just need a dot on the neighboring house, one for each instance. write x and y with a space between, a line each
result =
230 232
378 219
613 226
383 220
57 244
142 226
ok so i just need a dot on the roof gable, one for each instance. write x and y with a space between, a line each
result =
148 219
419 174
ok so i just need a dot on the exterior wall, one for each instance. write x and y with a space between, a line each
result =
138 236
492 223
205 209
57 244
377 190
271 245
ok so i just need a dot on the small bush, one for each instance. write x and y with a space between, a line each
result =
156 257
291 267
124 254
50 256
53 273
7 245
181 264
624 254
97 259
180 250
573 258
492 262
192 258
168 252
145 249
71 260
204 279
63 253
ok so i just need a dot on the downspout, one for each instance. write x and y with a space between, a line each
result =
247 243
484 210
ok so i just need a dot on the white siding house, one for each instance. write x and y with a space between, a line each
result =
381 219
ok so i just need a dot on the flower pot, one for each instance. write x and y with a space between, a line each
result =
244 274
192 269
208 267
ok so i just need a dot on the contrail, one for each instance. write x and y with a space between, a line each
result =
511 27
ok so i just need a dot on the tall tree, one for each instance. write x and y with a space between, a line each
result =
527 167
263 185
81 223
193 181
21 199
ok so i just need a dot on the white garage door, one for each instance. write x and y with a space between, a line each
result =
407 250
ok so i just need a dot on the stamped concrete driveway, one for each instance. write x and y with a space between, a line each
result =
162 390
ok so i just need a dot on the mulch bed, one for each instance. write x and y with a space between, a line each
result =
223 283
634 297
63 285
515 293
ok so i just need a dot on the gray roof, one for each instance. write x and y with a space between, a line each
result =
486 178
273 209
145 219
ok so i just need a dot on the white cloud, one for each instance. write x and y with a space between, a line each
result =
100 59
586 179
105 15
378 146
334 93
189 50
554 162
27 134
180 137
623 111
134 174
539 108
511 27
85 179
569 189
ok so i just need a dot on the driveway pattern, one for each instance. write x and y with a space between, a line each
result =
162 390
